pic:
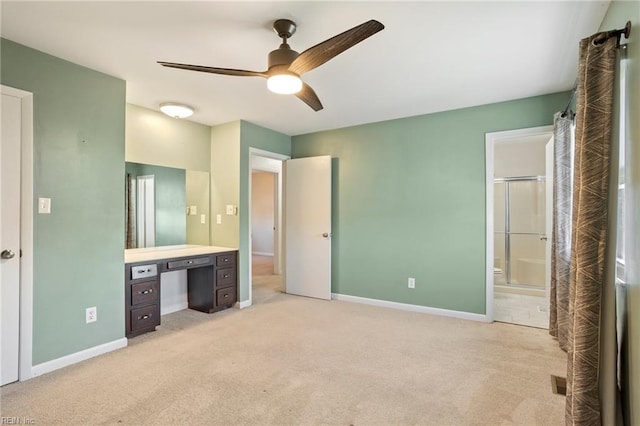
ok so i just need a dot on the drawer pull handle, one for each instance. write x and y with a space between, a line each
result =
226 276
144 317
189 262
226 259
226 295
148 291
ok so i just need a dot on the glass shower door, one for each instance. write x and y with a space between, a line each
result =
520 220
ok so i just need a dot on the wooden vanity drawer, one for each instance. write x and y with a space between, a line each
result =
226 259
144 293
144 271
225 296
143 318
225 277
187 263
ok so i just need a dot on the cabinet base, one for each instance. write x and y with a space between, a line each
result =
212 310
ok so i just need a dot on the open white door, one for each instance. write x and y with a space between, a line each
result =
10 239
308 227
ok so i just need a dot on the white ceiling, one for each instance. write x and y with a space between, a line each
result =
432 56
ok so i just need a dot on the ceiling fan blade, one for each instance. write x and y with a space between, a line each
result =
224 71
329 49
309 97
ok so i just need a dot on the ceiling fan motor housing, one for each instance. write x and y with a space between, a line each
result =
282 57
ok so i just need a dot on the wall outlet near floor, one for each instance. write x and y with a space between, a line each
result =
91 314
411 282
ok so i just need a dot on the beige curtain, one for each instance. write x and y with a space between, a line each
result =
563 141
591 241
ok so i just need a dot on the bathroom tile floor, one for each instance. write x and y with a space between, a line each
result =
532 311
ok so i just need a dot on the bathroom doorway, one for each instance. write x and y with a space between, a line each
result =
517 192
265 225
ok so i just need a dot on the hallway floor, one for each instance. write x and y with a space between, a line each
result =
266 285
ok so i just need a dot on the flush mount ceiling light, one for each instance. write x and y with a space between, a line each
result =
176 110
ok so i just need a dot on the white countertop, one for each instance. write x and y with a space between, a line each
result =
167 252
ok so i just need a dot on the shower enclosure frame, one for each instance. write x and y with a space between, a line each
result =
507 225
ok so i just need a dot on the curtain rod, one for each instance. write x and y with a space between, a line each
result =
573 93
606 35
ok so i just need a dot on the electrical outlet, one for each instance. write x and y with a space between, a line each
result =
91 314
411 282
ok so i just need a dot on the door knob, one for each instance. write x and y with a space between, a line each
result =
7 254
326 235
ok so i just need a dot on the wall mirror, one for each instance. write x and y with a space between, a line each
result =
165 206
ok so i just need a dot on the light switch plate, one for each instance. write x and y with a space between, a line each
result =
218 219
44 205
230 209
193 210
203 219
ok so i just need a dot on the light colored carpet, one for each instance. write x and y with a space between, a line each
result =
300 361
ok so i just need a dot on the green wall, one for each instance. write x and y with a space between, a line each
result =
409 201
170 201
618 14
79 128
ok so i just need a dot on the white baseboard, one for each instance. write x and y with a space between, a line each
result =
262 253
243 304
174 308
55 364
409 307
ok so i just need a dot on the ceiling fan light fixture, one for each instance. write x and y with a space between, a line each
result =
176 110
284 84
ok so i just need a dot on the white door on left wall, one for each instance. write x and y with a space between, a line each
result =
10 238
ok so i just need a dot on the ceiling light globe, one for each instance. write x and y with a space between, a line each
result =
284 84
176 110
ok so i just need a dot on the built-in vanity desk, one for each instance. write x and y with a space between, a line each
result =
211 281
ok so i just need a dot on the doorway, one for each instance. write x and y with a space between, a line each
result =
265 225
266 280
517 226
146 211
16 281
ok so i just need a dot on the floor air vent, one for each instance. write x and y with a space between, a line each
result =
558 385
